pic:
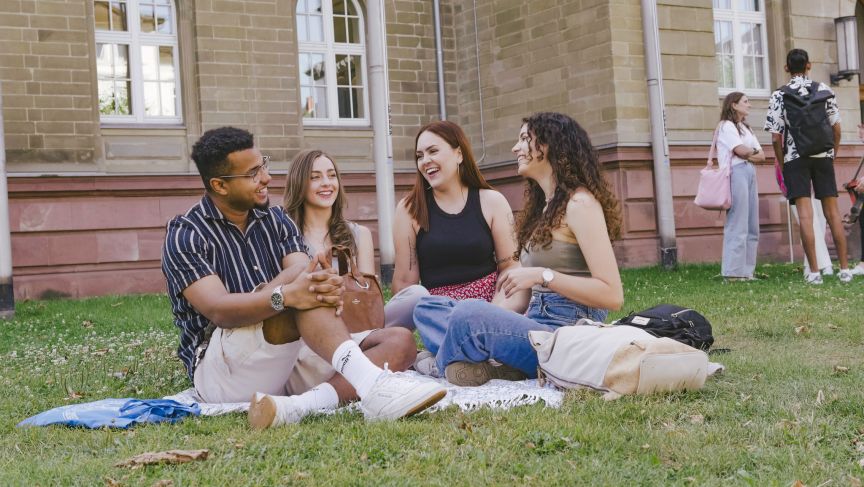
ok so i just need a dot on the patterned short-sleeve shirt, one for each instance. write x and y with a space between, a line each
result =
776 122
203 242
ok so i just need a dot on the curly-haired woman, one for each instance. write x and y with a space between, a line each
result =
568 268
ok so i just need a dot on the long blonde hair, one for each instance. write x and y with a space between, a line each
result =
294 201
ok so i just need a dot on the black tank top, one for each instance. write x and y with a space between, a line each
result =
457 248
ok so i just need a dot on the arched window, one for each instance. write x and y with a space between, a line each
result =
332 62
137 63
741 44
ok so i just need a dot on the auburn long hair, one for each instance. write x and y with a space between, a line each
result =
295 198
729 113
469 173
575 164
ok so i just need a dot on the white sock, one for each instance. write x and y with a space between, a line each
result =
355 366
322 396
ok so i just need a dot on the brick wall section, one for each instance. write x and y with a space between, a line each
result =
630 88
48 90
413 73
542 55
247 70
689 69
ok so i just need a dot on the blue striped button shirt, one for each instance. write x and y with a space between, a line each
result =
203 242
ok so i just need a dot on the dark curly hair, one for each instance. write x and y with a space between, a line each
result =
575 164
294 201
211 151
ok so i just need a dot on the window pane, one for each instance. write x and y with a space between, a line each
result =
121 60
339 29
357 98
149 69
314 6
302 34
118 16
312 69
354 30
339 7
342 77
724 4
166 63
301 7
105 60
163 20
356 71
151 99
351 9
344 95
100 12
106 97
316 28
146 13
314 102
748 5
169 102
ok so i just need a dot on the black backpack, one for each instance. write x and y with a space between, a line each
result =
808 119
670 321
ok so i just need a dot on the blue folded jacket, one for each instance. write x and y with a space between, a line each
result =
114 413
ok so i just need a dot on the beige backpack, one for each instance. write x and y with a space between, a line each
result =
617 360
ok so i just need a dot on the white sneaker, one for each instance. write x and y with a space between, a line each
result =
858 270
426 364
827 271
397 395
813 278
266 411
845 275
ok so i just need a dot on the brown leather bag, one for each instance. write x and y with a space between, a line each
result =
363 300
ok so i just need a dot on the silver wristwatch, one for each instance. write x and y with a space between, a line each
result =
548 276
277 301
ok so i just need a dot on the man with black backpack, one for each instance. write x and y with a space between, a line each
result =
804 122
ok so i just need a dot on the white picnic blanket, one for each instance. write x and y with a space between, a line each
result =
496 394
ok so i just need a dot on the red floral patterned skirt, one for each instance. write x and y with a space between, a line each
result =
483 288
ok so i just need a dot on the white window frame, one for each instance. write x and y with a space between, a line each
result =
330 49
736 18
135 39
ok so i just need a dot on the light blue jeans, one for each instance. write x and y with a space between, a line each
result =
474 330
741 231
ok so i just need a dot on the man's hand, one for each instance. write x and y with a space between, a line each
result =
315 287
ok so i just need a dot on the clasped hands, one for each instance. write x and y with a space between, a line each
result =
319 284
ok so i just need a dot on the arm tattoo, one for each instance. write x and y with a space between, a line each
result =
412 255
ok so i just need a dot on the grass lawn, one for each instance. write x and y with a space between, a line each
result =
782 412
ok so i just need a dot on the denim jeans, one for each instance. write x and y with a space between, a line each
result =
476 331
741 231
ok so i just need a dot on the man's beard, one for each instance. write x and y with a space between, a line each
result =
263 206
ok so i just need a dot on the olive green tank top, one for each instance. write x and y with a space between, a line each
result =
564 257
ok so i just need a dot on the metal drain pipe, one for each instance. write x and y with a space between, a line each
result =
439 59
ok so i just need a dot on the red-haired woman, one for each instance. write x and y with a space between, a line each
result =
453 233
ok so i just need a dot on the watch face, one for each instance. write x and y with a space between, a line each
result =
548 275
276 300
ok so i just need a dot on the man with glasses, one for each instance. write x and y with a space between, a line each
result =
243 293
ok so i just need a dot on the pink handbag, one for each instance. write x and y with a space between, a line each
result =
715 190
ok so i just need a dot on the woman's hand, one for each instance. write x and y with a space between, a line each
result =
519 278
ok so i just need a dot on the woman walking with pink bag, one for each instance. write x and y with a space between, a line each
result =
736 145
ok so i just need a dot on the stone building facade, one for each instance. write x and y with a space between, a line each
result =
97 149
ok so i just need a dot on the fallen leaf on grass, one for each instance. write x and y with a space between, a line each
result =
839 369
164 483
697 418
109 482
100 352
820 397
798 483
87 324
861 463
646 446
802 330
833 327
170 456
74 395
854 481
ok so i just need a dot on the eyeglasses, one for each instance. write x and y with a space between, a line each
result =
255 173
